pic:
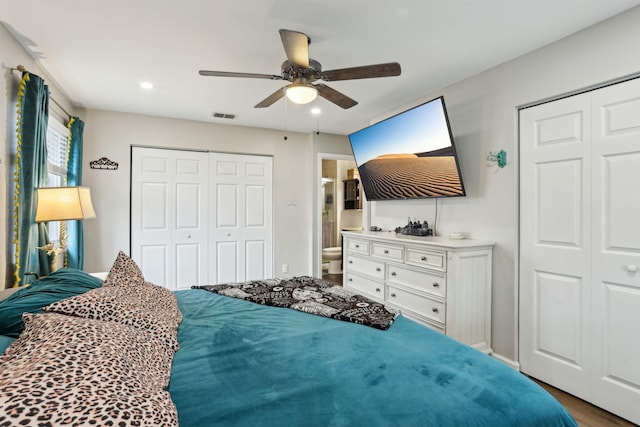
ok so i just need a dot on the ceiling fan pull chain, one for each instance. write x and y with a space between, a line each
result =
286 117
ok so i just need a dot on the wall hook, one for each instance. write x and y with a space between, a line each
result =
499 158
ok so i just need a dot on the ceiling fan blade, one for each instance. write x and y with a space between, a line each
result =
338 98
269 100
364 72
296 46
245 75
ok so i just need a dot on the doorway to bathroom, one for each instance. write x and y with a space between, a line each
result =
335 213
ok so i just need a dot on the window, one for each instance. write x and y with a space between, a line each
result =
57 151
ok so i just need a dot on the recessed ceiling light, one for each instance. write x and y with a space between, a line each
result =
316 111
146 85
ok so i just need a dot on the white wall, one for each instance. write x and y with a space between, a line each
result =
483 115
110 134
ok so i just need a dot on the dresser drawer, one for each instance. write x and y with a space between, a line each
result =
390 252
365 286
424 306
367 266
436 260
359 246
422 280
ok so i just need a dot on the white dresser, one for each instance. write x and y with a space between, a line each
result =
442 283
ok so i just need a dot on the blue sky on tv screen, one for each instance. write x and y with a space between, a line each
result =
421 129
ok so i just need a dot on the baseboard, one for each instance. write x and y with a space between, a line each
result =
511 363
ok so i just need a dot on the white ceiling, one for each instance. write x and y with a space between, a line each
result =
98 52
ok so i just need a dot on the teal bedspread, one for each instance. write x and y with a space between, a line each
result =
244 364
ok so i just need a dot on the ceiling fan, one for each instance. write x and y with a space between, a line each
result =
303 71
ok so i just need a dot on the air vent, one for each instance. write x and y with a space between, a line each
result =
223 116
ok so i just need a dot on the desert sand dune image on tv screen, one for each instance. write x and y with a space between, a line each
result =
393 176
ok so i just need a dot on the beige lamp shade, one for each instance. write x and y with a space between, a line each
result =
63 203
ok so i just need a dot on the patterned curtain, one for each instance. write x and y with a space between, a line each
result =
75 233
30 173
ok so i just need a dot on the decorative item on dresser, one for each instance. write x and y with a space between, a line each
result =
442 283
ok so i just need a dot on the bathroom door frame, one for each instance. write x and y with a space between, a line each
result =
317 214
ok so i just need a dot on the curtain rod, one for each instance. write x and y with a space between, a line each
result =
23 70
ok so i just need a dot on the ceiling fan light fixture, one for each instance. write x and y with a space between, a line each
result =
301 93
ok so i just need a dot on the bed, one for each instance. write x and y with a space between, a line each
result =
239 363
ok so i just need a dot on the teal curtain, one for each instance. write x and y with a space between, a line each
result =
30 173
75 233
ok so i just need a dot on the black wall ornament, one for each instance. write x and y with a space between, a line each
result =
103 163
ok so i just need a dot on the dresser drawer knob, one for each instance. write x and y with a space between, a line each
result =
434 309
350 279
436 284
386 251
377 289
378 269
357 246
393 273
393 295
350 262
424 258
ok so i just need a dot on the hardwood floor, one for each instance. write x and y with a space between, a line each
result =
584 413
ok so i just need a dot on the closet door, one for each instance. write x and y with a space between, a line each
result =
580 246
555 243
169 216
241 224
616 248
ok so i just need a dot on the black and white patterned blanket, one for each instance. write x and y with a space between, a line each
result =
310 295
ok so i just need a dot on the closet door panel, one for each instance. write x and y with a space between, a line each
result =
157 255
241 218
616 248
559 316
620 345
188 258
168 215
255 266
621 175
555 251
227 268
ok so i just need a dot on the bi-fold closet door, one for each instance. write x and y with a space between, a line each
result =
201 218
580 246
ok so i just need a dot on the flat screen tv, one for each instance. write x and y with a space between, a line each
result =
409 155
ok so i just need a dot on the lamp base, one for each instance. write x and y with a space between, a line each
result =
57 261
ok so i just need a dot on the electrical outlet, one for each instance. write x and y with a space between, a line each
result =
285 268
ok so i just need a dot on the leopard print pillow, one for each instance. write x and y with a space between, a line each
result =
149 409
70 370
126 306
157 299
124 272
90 350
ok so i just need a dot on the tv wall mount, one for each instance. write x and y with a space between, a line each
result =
415 228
